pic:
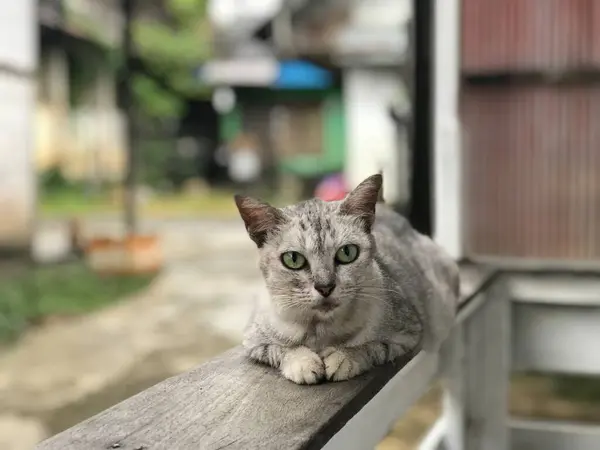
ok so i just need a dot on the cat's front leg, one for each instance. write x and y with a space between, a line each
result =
298 364
269 354
343 363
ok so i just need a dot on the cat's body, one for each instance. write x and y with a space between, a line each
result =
335 320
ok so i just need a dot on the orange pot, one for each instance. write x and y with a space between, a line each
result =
130 255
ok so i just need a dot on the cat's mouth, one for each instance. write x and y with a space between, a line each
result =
327 306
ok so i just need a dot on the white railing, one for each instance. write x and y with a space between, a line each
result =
235 404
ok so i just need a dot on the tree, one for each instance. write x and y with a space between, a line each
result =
171 47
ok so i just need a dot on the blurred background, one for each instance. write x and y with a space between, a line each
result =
126 126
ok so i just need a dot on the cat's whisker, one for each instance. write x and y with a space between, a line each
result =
377 289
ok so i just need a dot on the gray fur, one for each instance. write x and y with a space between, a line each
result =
399 296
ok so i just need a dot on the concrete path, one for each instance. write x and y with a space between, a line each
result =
63 372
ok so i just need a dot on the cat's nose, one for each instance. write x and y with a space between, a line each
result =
325 289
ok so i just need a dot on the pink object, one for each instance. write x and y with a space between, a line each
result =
331 188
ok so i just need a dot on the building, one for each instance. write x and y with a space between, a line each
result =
18 64
368 42
524 184
291 107
79 125
332 70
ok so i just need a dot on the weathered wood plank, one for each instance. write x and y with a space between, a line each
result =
230 402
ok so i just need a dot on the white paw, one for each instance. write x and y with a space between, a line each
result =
302 366
339 365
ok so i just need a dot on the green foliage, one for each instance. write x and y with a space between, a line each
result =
58 291
53 179
82 75
59 195
577 388
154 100
155 160
172 50
172 47
84 25
186 10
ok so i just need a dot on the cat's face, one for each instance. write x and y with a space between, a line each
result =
316 257
318 260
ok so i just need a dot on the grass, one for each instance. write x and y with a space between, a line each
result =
66 203
210 204
556 397
57 291
217 204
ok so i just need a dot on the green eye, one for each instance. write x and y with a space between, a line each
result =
347 254
293 260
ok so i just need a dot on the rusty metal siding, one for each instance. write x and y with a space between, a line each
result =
530 35
532 171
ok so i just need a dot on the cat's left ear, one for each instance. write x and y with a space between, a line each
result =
259 217
362 200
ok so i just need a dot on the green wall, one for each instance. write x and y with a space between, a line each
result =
334 127
334 141
230 124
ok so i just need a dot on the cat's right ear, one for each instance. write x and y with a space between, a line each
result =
362 200
259 217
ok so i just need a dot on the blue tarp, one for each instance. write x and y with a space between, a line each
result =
297 74
292 74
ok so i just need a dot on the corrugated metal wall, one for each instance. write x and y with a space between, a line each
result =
532 148
530 35
532 170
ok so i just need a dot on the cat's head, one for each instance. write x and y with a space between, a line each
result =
316 257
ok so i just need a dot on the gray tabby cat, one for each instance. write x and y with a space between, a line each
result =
348 285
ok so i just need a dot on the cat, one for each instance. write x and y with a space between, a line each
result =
349 285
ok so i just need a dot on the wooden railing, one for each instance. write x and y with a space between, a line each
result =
231 403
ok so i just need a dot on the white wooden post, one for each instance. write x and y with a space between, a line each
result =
453 374
477 369
447 155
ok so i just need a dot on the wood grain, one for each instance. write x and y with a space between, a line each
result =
229 403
